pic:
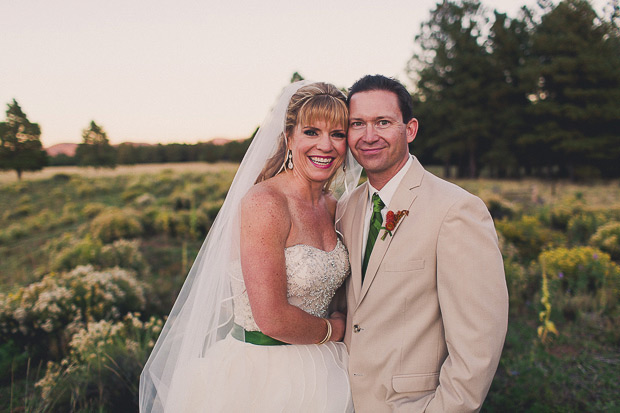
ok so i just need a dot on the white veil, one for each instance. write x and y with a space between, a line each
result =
203 311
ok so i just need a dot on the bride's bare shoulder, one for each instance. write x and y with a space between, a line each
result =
265 198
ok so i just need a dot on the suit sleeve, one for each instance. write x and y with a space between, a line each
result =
473 299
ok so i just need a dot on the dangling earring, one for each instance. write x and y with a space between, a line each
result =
290 159
344 167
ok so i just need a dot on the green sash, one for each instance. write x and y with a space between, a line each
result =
254 337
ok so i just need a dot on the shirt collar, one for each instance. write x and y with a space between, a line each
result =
387 192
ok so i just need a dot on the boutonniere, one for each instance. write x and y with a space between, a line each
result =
391 220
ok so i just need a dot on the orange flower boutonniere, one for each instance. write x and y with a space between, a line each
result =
391 220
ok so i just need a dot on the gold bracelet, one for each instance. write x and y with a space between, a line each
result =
329 332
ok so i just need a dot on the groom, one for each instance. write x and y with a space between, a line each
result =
427 300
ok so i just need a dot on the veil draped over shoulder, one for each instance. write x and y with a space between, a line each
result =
203 311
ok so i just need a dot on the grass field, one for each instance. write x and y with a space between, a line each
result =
148 222
7 177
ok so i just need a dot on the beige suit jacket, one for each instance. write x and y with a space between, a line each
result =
426 328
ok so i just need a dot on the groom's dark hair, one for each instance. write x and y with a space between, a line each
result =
380 82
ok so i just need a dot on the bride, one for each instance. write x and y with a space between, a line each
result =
250 330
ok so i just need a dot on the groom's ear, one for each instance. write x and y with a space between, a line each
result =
411 129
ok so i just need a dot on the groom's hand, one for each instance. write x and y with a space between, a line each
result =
337 319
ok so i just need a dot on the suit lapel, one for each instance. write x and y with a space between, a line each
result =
403 198
355 252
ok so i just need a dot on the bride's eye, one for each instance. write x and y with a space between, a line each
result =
310 132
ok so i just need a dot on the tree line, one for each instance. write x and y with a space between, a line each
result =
499 96
97 151
535 95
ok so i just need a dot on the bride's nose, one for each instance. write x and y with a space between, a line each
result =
325 143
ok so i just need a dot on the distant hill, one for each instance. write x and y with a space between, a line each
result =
222 141
64 148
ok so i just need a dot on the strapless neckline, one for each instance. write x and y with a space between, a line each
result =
338 243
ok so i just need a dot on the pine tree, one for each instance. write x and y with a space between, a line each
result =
576 102
95 149
20 142
453 71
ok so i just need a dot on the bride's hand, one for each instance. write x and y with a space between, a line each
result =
337 320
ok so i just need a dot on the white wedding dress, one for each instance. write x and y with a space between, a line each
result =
235 376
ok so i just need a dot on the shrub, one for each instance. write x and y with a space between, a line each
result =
582 272
44 315
581 226
85 189
102 369
12 233
560 214
88 251
181 200
115 224
125 254
92 209
61 177
83 252
44 220
499 207
607 238
212 208
518 285
132 193
58 194
527 234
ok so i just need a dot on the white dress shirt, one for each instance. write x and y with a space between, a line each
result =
386 193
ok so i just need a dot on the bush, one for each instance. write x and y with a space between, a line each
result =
581 226
12 233
93 209
19 211
562 213
61 177
85 189
527 234
125 254
83 252
45 314
181 200
212 208
499 207
578 273
102 370
115 224
607 238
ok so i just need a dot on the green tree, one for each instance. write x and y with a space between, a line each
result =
575 105
95 149
509 45
127 154
20 142
452 74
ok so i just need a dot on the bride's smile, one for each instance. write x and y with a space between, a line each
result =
318 149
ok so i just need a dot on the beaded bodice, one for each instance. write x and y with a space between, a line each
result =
313 276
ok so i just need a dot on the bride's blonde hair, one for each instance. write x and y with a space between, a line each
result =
315 102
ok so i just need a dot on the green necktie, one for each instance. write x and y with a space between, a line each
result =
375 226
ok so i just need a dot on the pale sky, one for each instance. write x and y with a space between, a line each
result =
186 71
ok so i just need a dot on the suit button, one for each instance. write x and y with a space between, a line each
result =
356 328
